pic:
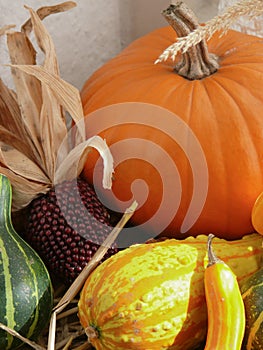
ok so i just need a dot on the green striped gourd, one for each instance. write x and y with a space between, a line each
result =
252 293
26 297
151 296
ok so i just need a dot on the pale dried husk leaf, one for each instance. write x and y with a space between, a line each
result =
28 93
72 165
20 164
10 114
23 189
33 125
45 11
5 29
52 119
7 137
223 22
67 95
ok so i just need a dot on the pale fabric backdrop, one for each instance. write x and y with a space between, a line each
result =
94 31
244 24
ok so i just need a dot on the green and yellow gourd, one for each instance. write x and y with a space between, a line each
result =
151 296
26 298
252 293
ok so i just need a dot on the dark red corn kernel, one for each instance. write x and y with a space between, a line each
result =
66 232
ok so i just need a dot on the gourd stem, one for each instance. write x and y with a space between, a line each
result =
91 332
212 258
196 63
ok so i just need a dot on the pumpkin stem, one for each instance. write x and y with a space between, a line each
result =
196 63
212 258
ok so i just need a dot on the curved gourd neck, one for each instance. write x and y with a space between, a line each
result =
196 63
5 201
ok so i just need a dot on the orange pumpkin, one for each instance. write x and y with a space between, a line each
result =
196 142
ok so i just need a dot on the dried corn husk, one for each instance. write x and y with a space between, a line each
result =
36 149
45 11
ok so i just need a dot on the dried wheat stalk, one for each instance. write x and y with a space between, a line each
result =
251 8
17 335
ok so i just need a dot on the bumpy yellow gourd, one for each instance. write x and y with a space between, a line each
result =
151 296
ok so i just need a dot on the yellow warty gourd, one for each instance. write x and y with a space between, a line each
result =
151 296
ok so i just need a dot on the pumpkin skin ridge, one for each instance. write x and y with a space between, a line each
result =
151 70
212 123
245 122
140 97
225 76
122 70
257 161
191 120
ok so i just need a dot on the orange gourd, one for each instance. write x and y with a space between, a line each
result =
257 214
195 140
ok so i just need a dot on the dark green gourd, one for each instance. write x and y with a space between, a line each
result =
252 293
26 297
